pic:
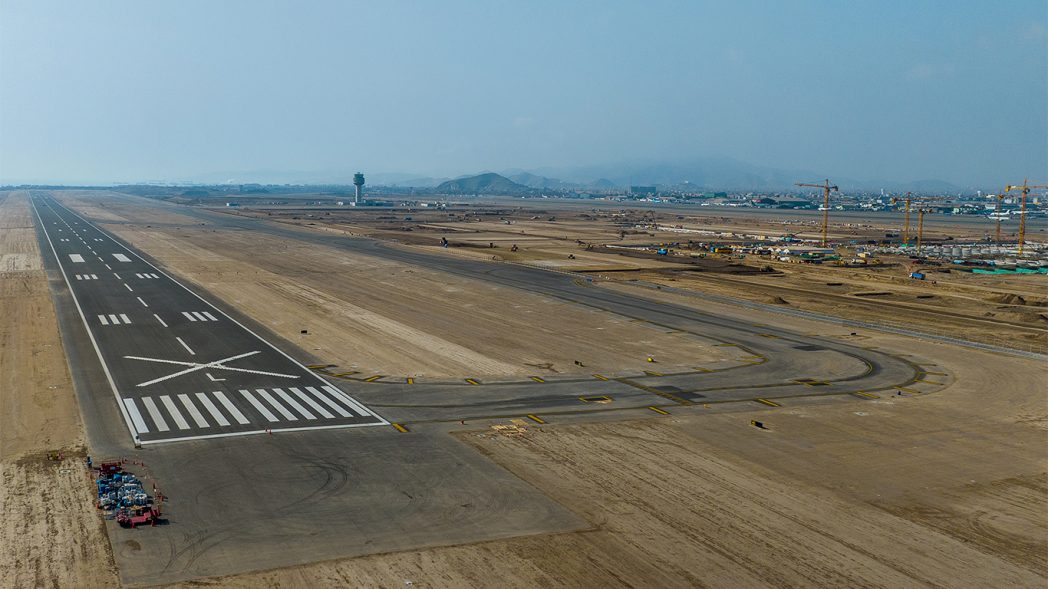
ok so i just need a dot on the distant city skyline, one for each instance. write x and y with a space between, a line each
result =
890 91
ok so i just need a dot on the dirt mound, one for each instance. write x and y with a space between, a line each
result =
778 301
1009 299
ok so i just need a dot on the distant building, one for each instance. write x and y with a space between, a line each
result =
643 190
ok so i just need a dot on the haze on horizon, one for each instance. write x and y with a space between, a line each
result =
179 91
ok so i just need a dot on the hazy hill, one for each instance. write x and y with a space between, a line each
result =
535 181
489 183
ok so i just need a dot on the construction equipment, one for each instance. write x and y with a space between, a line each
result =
906 224
997 217
1025 190
131 517
826 188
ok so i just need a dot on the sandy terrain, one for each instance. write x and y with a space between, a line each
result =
978 307
948 489
381 317
942 490
51 534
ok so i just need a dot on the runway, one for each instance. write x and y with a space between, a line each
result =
178 366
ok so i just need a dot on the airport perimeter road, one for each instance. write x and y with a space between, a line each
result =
180 368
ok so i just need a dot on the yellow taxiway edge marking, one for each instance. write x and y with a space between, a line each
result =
768 403
927 381
347 373
866 395
316 366
652 373
472 381
399 428
727 345
410 380
600 377
659 411
538 379
767 335
935 373
373 378
535 418
908 390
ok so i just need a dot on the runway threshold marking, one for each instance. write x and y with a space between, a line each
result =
768 403
535 418
472 381
659 411
600 377
537 378
400 428
373 378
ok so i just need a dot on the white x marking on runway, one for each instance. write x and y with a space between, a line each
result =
194 366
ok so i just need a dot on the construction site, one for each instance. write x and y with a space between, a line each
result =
548 392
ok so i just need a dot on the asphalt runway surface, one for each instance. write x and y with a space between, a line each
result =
180 368
301 490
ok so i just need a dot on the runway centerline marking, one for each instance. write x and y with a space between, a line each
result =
185 345
141 301
159 319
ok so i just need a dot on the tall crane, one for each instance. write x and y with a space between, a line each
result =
906 224
997 217
1025 189
826 188
922 208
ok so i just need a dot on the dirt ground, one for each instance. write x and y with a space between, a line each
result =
51 534
381 317
946 490
1002 310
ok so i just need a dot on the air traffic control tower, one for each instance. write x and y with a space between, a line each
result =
358 184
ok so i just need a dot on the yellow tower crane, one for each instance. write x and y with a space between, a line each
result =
997 217
922 208
826 188
1025 190
906 224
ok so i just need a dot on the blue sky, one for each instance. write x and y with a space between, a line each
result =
133 91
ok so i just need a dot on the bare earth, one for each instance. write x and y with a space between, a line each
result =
947 489
943 490
50 532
